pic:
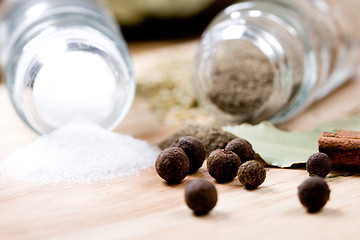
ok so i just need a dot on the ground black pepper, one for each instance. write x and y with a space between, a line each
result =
242 78
211 137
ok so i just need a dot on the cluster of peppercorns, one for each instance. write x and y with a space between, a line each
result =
314 192
184 157
187 155
236 159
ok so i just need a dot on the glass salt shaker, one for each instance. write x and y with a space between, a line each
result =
65 61
268 60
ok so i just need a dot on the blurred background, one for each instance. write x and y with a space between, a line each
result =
143 20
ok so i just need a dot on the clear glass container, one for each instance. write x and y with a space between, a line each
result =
268 60
65 61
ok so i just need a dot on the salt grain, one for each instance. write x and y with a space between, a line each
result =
80 153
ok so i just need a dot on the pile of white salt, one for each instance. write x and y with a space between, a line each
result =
79 153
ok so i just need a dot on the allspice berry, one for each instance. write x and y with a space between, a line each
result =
242 148
318 164
172 164
251 174
223 165
313 193
200 196
194 150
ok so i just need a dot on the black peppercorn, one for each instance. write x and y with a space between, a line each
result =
172 164
314 193
318 164
200 196
223 165
251 174
194 150
242 148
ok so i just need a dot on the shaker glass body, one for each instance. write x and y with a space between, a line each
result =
303 48
64 61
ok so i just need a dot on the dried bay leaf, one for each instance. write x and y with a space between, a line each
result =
282 148
277 147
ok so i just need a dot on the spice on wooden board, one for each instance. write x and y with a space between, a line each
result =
242 148
343 148
318 164
172 164
194 149
200 196
223 165
251 174
313 193
211 137
79 152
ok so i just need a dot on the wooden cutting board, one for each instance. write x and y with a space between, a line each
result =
145 207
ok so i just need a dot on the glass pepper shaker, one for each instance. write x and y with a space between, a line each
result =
268 60
64 61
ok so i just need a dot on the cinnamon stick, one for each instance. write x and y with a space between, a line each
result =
343 148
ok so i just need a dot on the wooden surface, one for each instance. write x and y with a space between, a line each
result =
144 207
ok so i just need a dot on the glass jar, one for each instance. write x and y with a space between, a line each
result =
268 60
65 61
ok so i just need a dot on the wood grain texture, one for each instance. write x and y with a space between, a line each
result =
144 207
